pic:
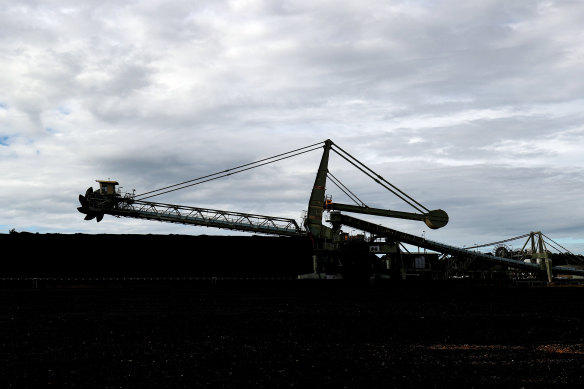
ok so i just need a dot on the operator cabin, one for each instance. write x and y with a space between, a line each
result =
107 187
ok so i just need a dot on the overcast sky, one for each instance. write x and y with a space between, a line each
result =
474 107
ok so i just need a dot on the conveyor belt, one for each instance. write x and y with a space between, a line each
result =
339 219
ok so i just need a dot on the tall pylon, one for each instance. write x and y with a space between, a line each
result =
539 252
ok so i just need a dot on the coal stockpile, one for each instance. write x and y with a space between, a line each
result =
267 330
157 256
302 334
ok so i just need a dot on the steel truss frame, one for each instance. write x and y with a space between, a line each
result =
181 214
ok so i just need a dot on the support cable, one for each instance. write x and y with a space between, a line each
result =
340 185
404 247
419 207
384 180
342 190
228 172
499 242
565 249
555 247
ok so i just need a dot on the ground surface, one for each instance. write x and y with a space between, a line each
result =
289 335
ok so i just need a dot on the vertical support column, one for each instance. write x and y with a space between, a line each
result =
539 253
315 264
313 220
548 267
546 261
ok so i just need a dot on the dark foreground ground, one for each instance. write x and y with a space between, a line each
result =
291 334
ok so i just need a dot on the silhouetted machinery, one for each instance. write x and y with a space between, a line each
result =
326 240
330 243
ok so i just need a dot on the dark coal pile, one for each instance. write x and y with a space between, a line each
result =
106 255
264 329
295 334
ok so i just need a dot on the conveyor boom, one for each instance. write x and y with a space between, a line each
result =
338 219
206 217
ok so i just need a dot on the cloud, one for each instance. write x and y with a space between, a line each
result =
475 108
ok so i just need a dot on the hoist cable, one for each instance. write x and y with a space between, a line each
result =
382 184
229 170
